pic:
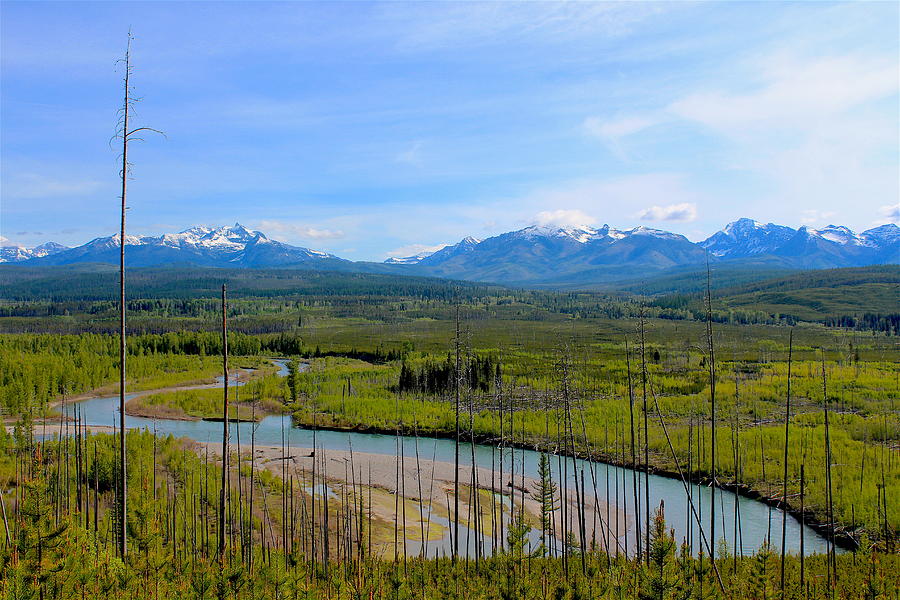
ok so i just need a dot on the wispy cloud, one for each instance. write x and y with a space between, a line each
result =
298 230
683 212
891 212
814 216
613 129
412 155
413 250
564 217
803 125
433 26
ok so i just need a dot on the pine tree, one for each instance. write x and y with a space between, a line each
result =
545 494
661 558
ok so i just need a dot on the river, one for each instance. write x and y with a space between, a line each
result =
758 520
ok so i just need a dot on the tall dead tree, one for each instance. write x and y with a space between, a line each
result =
634 475
646 442
712 397
457 376
126 135
829 497
223 493
787 438
124 174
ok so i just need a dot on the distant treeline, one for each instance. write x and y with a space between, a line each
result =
281 302
889 324
64 284
478 374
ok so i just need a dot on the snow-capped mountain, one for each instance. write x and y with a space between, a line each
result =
435 256
408 260
746 237
831 246
547 251
540 254
234 246
464 246
13 254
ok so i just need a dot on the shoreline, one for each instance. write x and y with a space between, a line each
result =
841 538
434 479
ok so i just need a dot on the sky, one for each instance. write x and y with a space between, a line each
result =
383 129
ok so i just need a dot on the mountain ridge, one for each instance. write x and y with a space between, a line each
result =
532 255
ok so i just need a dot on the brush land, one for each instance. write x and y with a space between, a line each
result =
381 356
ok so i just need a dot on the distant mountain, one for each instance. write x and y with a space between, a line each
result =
14 254
436 256
408 260
541 253
806 248
746 237
545 256
465 246
234 246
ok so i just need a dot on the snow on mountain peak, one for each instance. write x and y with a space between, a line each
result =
578 233
649 231
883 234
837 234
742 225
408 260
18 253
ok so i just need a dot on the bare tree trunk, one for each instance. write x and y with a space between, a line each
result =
646 442
122 474
829 494
787 431
223 493
127 135
634 477
457 376
802 526
712 399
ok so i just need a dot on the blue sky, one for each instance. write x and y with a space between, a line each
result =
376 129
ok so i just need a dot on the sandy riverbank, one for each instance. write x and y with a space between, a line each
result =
425 483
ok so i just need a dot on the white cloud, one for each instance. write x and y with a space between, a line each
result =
791 93
412 155
429 26
580 202
891 212
297 230
618 128
564 217
414 249
816 217
686 211
799 123
809 128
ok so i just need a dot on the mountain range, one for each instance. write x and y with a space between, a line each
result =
542 255
234 246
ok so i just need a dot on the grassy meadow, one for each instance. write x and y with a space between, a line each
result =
530 362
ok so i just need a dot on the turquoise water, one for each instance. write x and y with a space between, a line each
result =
758 521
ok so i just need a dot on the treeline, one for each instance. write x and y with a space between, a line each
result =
479 373
681 307
73 283
889 324
38 368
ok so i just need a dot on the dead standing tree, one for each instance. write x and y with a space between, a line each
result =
223 492
126 134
